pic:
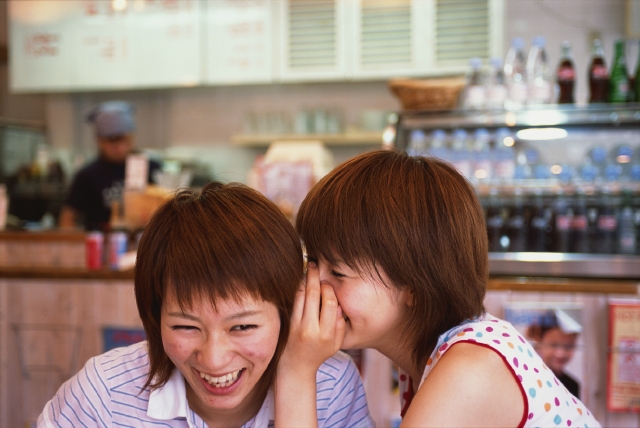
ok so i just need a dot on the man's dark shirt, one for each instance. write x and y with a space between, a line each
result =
570 383
94 187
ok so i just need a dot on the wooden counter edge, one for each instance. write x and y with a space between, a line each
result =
496 283
64 273
47 236
565 285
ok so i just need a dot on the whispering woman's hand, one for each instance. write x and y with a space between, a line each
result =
317 332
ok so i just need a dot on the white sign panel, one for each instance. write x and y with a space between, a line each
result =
99 44
238 41
41 44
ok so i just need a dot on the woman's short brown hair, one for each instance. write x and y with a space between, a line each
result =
224 241
415 218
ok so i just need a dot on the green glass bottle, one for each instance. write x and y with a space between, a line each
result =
619 79
636 80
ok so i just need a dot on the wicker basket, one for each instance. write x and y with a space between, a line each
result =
428 94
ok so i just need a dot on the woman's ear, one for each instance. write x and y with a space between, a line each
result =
406 297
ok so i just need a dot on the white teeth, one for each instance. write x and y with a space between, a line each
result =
222 381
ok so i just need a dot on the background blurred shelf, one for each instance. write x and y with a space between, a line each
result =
346 139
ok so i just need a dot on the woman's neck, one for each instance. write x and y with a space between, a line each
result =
402 357
224 418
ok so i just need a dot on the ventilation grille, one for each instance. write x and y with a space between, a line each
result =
385 32
312 34
462 30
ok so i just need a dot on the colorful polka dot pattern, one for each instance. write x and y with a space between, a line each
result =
548 401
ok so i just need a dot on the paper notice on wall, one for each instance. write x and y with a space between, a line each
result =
136 172
623 381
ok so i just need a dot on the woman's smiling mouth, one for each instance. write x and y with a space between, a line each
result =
222 381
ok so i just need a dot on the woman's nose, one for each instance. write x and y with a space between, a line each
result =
216 353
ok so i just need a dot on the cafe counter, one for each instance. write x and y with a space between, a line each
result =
54 311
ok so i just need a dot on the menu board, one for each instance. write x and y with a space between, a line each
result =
98 44
238 41
623 383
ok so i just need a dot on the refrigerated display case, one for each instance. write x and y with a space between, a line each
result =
584 160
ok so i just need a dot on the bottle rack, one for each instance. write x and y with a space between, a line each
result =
596 116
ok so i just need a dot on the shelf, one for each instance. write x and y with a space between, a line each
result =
565 265
563 285
552 115
532 186
347 139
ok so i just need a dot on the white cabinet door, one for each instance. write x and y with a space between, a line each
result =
384 38
422 37
238 41
311 40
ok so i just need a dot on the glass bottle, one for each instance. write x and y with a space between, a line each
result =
566 75
495 222
598 75
636 79
619 80
562 225
540 226
627 234
579 236
517 225
606 225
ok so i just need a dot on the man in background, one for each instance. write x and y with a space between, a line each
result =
98 184
555 338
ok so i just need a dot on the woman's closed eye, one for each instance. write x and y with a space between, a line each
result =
338 274
184 327
243 327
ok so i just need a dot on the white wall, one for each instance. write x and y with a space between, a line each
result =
200 121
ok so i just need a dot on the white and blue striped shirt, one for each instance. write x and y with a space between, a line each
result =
108 392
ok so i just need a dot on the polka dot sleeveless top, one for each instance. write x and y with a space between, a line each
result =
548 403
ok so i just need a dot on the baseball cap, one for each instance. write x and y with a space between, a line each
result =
112 118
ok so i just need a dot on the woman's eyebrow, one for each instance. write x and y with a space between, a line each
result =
244 314
238 315
183 315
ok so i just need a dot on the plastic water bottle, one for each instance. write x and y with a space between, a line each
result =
496 88
461 154
482 155
504 155
540 83
417 143
622 155
438 148
475 92
595 163
515 75
527 159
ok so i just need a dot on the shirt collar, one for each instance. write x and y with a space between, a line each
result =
170 402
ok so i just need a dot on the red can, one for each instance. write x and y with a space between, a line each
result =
94 243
